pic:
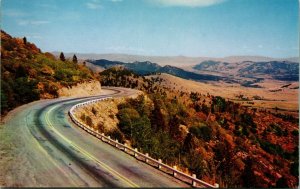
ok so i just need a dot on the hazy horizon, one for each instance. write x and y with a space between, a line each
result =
146 55
193 28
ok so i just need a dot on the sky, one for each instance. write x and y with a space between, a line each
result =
210 28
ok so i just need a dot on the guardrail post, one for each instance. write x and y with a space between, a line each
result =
159 162
108 140
117 142
135 154
147 155
216 185
193 181
125 148
174 173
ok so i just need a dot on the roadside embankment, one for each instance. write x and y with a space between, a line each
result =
102 115
81 89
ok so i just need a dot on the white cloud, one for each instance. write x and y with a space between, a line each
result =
39 22
187 3
94 4
32 22
13 13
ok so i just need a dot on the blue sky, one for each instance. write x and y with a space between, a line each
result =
214 28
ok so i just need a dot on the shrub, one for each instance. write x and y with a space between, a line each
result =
277 129
100 128
220 103
247 120
194 162
26 90
295 132
89 121
112 116
205 109
127 117
194 97
116 134
82 117
60 75
94 111
271 148
203 132
294 168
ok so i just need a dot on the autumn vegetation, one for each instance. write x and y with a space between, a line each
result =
218 140
27 74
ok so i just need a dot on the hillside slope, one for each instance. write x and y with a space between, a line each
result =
203 133
272 95
28 74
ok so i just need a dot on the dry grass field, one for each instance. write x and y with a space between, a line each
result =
272 94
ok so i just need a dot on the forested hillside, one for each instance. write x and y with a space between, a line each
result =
28 74
219 140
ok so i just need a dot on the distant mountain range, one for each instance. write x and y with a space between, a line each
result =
145 68
229 69
178 61
280 70
215 70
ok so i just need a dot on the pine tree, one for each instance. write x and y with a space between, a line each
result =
75 59
24 40
62 57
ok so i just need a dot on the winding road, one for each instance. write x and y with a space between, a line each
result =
40 146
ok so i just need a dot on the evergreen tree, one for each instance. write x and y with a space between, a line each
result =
75 59
62 57
24 40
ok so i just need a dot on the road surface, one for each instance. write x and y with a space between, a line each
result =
40 146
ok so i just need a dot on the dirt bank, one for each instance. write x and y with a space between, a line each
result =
81 89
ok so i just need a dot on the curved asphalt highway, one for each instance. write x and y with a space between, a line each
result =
40 146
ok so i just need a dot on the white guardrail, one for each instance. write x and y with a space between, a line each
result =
191 179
